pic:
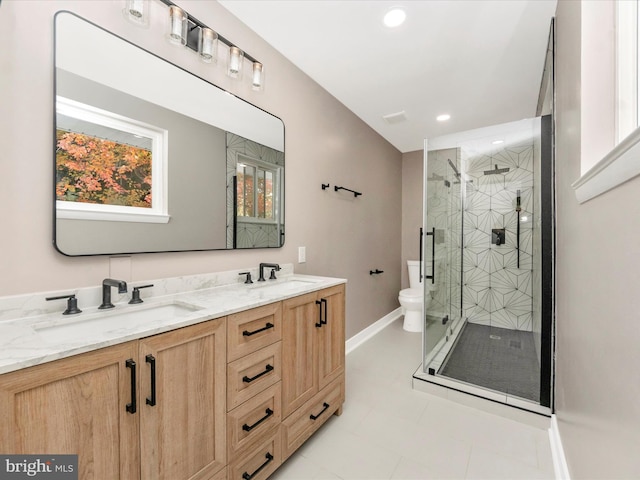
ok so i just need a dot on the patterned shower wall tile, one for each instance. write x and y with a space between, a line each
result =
477 239
478 202
478 315
474 258
475 220
510 279
513 321
476 279
517 303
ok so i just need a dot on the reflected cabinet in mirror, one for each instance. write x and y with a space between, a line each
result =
151 158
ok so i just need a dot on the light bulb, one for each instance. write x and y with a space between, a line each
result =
137 11
257 79
177 26
234 64
207 45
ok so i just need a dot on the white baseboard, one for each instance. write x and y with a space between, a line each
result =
560 467
364 335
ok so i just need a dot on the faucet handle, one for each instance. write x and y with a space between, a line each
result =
135 296
72 304
273 274
248 274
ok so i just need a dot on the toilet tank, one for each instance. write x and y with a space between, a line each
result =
414 273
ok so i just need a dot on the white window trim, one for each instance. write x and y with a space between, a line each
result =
276 170
622 163
158 213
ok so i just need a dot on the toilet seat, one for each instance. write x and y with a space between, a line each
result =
411 293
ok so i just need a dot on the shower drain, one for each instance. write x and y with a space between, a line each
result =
495 337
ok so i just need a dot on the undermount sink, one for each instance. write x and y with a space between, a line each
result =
284 285
128 317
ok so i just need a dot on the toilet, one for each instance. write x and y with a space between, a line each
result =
411 299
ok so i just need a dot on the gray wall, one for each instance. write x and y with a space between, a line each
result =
325 143
412 173
598 265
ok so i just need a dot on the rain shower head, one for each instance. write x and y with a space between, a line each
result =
496 170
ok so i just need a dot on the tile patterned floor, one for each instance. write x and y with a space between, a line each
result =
389 431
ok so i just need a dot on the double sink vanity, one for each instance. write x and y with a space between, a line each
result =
202 380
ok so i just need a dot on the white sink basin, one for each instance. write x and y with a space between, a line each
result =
286 285
128 317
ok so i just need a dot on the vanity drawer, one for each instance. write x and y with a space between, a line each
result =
252 330
301 424
252 374
259 462
251 421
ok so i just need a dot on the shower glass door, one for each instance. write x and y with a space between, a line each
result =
441 247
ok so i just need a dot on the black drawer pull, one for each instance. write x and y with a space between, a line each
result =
247 428
247 333
315 417
267 369
249 476
152 360
132 407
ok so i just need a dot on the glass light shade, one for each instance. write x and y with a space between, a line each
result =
137 11
177 26
208 45
234 62
257 78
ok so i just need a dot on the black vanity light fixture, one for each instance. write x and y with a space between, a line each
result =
186 30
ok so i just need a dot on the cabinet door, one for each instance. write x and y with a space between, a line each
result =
331 336
182 436
299 351
75 406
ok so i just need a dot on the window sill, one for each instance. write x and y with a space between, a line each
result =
619 165
100 213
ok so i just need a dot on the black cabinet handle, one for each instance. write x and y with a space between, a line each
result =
249 476
319 324
267 369
247 333
152 360
324 301
315 417
132 407
247 428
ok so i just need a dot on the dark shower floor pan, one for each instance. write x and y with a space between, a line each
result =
496 358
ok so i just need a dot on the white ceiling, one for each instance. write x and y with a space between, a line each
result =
480 61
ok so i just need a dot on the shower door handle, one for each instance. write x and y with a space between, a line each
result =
420 264
432 234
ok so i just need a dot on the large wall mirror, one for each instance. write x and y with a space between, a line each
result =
151 158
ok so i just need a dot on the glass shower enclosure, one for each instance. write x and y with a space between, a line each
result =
487 325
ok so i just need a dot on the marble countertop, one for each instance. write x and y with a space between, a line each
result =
29 341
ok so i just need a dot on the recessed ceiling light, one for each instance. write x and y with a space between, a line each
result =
443 118
497 142
395 17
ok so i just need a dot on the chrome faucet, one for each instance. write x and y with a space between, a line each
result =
107 283
274 266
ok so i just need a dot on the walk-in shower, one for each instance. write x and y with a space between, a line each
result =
487 204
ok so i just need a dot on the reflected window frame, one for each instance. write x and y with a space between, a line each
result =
158 212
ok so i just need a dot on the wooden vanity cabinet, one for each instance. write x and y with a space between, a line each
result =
75 406
229 398
183 432
313 359
94 405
